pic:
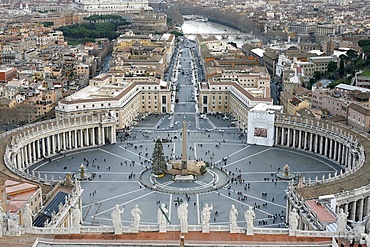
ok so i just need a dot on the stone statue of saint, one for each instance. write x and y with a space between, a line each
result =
27 216
249 216
233 216
206 214
76 217
341 221
116 219
293 219
182 214
161 217
136 215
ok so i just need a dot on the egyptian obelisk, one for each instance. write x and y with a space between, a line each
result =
184 159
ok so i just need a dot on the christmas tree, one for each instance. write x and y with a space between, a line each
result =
158 158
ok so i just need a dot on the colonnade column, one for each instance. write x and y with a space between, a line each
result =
59 144
335 150
53 142
34 151
113 134
326 148
294 138
347 157
93 136
75 139
30 153
276 135
69 140
103 135
346 208
353 211
43 147
305 140
343 155
81 138
353 160
87 137
64 141
360 210
48 145
282 136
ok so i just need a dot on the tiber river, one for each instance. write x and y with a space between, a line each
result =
192 26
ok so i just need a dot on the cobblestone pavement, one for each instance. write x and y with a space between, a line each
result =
118 167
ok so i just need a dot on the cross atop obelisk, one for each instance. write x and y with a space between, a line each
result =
184 159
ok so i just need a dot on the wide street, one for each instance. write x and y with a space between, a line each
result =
250 169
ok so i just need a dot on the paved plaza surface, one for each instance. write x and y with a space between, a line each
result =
118 168
249 170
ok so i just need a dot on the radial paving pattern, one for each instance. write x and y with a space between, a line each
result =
250 169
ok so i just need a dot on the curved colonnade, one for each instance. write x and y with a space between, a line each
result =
32 143
336 142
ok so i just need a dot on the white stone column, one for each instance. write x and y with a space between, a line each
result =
354 164
87 137
335 150
276 135
75 138
100 142
339 156
311 142
64 140
70 140
353 211
38 149
305 140
294 138
34 151
360 210
343 162
81 138
53 148
326 148
300 139
93 136
30 154
282 136
43 147
316 143
113 134
346 208
25 153
22 157
59 143
321 147
348 159
19 160
48 145
288 140
103 135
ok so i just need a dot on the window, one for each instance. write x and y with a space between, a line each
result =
205 99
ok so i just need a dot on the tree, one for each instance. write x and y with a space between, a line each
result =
364 42
158 158
341 67
332 66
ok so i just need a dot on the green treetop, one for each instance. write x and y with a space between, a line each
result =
158 158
